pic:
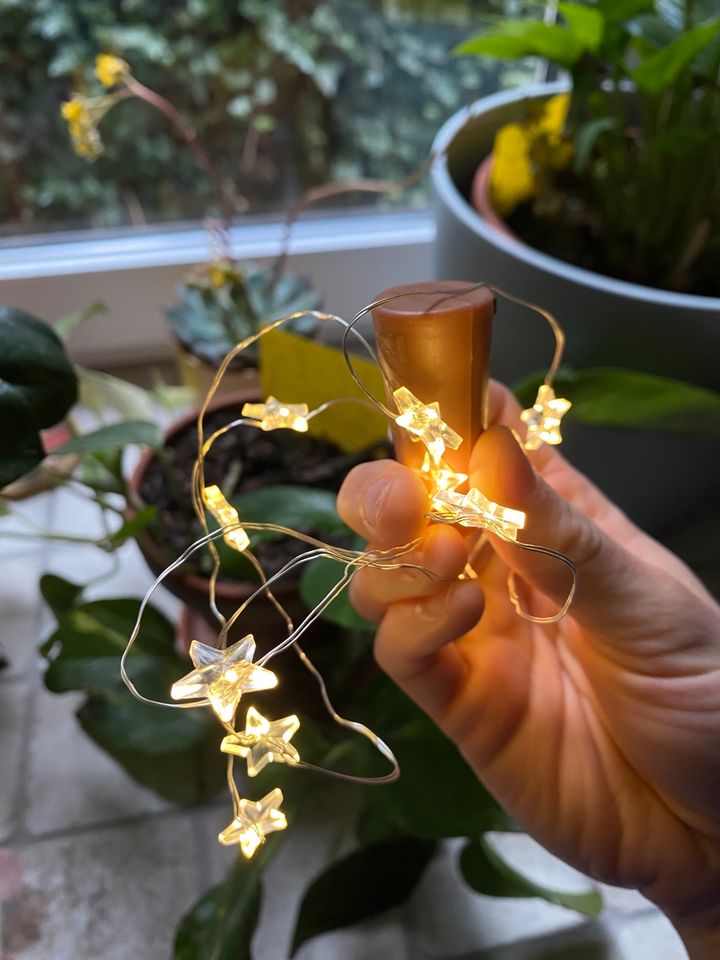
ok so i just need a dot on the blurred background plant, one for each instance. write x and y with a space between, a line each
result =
285 95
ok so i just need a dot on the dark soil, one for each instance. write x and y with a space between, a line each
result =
240 461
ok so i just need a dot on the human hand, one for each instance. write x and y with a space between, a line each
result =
600 734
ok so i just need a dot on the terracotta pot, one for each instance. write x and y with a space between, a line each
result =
261 619
480 196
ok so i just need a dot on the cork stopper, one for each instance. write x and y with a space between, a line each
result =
438 346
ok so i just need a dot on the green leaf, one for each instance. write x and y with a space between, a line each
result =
615 11
59 594
64 326
613 397
102 391
363 884
661 68
221 924
587 135
300 508
587 23
513 39
485 871
37 388
316 581
114 437
131 527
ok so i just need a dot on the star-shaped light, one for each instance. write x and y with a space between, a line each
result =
226 516
474 509
439 475
253 822
424 422
543 418
264 741
223 676
276 415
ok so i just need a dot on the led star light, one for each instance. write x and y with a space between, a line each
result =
223 676
424 421
264 741
543 418
276 415
226 516
440 475
474 509
253 822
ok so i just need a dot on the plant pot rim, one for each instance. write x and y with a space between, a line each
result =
514 248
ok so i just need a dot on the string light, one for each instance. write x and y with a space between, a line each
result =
543 418
276 415
264 741
253 821
423 421
222 676
226 516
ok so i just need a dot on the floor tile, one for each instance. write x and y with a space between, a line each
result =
13 723
72 782
104 895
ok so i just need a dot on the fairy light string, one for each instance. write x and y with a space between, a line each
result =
225 673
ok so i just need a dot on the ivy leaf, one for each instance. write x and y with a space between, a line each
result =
485 871
221 924
363 884
614 397
513 39
659 70
115 437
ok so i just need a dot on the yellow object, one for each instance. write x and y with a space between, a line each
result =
264 741
253 821
425 423
522 151
543 418
81 116
439 475
474 509
222 676
226 516
276 415
110 70
305 370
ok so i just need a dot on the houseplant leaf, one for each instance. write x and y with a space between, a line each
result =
661 68
485 871
316 581
614 397
114 437
361 885
511 39
585 22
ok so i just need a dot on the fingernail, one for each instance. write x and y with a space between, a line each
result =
372 504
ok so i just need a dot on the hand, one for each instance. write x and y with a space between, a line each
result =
600 734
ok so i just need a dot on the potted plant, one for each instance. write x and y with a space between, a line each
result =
594 196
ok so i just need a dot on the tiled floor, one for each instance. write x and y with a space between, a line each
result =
110 868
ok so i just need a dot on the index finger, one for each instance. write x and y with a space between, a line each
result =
384 502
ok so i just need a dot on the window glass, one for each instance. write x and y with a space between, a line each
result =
283 94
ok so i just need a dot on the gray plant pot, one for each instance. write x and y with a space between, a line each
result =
654 477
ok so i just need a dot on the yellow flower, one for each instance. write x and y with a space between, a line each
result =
110 70
523 151
83 114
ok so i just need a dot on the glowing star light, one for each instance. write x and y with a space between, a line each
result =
474 509
264 741
424 421
439 475
223 676
253 822
226 516
276 415
543 418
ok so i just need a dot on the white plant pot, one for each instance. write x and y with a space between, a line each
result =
655 477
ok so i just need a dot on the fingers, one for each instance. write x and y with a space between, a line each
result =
611 583
384 502
414 643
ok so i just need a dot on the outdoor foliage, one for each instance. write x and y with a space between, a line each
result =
282 95
628 183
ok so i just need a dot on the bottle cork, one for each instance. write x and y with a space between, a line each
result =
437 344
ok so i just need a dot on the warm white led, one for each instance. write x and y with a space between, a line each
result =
439 475
253 821
543 418
276 415
474 509
264 741
424 422
226 516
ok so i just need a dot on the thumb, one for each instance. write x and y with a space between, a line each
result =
612 586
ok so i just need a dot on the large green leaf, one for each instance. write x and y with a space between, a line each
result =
587 23
37 388
221 924
659 70
300 508
615 11
363 884
485 871
59 594
316 582
513 39
115 437
613 397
